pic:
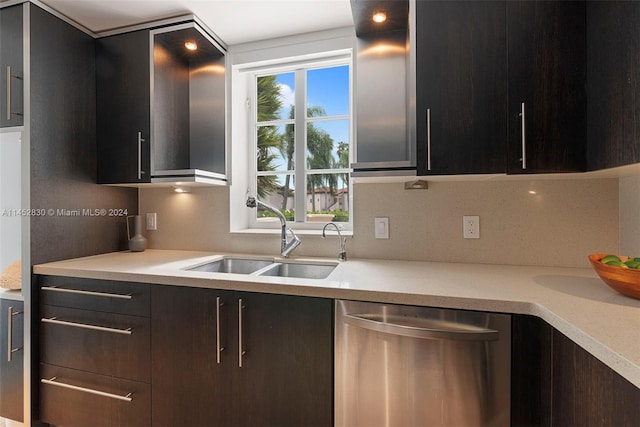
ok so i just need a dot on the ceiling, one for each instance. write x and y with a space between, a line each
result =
234 21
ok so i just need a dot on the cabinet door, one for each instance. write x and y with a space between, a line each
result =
11 359
461 89
547 84
286 375
11 67
586 392
123 123
531 344
190 387
613 67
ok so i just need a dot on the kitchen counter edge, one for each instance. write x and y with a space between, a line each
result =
572 300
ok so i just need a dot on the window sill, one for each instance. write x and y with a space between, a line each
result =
277 231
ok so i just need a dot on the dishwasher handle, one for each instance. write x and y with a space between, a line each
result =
437 330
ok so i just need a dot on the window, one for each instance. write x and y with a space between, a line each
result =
301 131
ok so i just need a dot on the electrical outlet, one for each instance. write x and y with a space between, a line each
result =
152 221
471 227
381 225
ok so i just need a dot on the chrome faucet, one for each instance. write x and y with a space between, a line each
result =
286 246
342 255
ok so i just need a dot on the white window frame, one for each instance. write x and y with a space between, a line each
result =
298 65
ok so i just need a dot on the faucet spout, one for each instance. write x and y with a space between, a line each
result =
286 246
342 254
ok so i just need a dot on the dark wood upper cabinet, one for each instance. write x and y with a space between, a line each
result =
11 67
546 56
123 108
613 78
461 87
161 110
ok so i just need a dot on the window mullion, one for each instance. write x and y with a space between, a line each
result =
301 145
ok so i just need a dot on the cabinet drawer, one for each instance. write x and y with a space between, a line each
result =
100 295
103 343
75 398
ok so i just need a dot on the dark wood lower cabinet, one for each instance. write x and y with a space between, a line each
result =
557 383
530 371
586 392
275 365
11 364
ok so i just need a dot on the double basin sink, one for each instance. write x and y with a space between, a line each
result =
267 267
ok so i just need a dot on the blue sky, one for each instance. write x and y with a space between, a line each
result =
327 88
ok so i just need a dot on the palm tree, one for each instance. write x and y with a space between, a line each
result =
320 147
287 150
269 139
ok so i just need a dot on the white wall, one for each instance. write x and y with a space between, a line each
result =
630 216
10 179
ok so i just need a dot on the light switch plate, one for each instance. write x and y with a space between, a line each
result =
152 221
381 226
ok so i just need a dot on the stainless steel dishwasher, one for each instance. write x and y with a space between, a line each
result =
401 366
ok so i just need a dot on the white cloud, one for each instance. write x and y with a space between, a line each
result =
287 96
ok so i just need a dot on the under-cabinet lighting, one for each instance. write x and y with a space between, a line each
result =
416 185
191 45
181 189
379 16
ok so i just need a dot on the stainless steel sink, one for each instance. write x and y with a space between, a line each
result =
233 265
291 269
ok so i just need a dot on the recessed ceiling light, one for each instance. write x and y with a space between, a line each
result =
379 16
191 45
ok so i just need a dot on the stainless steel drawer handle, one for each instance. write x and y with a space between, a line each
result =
10 349
89 293
52 381
399 325
55 321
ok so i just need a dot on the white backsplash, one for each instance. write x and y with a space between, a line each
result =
630 216
559 225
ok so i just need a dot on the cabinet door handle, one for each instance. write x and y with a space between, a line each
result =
524 138
52 381
429 139
10 349
55 321
91 293
9 76
241 351
140 141
8 92
219 347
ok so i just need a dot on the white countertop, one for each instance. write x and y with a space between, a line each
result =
572 300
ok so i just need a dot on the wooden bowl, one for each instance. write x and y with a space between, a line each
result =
624 280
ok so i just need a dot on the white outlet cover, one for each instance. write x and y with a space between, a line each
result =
471 227
381 225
